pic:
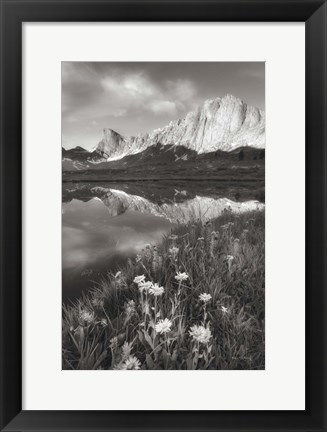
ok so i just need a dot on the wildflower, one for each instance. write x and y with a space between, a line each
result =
156 290
98 303
163 326
200 238
174 251
138 258
139 279
130 307
126 349
229 257
173 237
114 343
205 297
180 277
103 322
145 286
86 317
200 333
224 309
118 274
131 363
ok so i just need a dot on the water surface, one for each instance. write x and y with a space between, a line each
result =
105 224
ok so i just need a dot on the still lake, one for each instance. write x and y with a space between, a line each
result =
105 224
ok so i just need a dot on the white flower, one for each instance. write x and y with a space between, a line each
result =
163 326
145 286
126 349
224 309
174 250
139 279
104 322
205 297
86 317
131 363
156 290
181 276
200 238
200 333
118 274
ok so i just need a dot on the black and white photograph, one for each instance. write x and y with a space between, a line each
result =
163 215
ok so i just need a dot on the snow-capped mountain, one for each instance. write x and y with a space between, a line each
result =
218 124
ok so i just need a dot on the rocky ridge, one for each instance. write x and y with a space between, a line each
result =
218 124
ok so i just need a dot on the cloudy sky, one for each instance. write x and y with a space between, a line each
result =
133 98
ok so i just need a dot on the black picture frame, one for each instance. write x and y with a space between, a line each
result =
13 14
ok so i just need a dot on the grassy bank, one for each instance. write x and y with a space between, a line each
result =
194 302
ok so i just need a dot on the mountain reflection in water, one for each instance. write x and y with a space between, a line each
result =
104 225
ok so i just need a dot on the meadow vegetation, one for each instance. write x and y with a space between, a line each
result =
195 301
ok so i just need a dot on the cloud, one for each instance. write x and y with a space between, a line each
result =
119 113
163 107
182 90
137 90
130 86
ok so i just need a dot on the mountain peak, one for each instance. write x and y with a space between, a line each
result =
217 124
